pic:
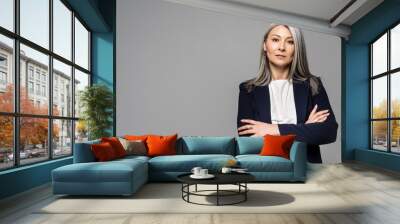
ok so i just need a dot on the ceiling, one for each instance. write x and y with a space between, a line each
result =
318 9
333 17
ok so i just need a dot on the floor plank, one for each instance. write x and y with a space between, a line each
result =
378 190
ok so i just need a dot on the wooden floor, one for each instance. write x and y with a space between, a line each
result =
378 188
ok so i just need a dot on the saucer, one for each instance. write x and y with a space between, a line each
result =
208 176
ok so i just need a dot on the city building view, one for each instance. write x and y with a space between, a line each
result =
34 100
39 120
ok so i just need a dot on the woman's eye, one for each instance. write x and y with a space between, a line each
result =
291 42
275 40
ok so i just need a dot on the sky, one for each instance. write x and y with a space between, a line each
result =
34 26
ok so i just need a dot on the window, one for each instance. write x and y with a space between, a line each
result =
3 78
35 21
38 89
6 71
7 14
43 90
38 74
30 72
62 75
385 94
55 127
3 72
3 61
81 45
30 87
62 29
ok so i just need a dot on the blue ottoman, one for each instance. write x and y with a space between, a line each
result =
118 177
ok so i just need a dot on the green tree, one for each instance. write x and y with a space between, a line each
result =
97 103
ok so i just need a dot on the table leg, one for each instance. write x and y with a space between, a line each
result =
245 193
188 189
217 194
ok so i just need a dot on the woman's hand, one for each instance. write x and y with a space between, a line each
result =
257 128
317 117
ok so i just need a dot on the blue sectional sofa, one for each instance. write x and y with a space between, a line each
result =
125 176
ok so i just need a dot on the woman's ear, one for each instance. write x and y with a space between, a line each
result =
265 47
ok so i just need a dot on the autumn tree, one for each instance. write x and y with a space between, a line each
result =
33 131
380 127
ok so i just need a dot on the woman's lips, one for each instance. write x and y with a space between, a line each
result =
280 56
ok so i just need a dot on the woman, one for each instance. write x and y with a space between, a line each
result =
285 98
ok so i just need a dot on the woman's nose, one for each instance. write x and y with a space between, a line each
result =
282 46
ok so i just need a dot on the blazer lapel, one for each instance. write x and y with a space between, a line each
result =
300 92
263 104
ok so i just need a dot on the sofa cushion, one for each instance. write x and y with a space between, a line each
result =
249 145
131 158
83 152
134 147
185 163
111 171
257 163
197 145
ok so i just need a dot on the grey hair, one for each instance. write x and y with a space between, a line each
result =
299 69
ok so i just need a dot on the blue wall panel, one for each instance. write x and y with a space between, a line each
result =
24 178
357 85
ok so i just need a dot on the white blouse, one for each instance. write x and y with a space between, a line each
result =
283 108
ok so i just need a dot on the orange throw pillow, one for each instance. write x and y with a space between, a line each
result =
277 145
116 145
161 145
103 151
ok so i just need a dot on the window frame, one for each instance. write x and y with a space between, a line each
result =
388 74
16 114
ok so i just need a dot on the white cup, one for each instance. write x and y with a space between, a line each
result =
203 172
226 170
196 170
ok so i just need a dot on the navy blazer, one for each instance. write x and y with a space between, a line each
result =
255 105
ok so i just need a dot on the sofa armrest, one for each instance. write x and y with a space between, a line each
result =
298 155
83 152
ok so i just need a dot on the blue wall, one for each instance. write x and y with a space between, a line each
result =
103 51
356 84
24 178
99 15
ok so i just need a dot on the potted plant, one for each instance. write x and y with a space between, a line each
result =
96 102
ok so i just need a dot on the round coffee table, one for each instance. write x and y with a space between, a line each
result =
238 179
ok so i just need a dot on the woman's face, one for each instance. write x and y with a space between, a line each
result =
279 47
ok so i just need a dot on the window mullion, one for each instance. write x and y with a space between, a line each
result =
16 84
389 95
50 81
73 82
371 137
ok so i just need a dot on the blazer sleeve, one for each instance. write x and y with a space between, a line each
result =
315 133
245 108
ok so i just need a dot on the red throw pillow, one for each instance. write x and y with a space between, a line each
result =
277 145
136 137
161 145
116 145
103 151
